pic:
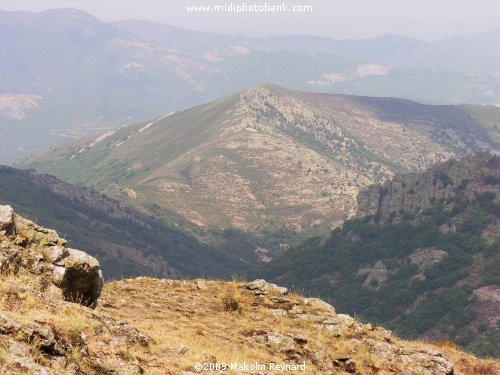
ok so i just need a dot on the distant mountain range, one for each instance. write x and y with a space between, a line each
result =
65 74
277 163
458 53
430 265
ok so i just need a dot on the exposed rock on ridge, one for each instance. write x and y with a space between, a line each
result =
265 157
93 199
67 273
415 192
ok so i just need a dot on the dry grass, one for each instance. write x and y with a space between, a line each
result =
221 323
468 364
26 306
196 325
218 322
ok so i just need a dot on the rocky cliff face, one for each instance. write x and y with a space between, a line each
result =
411 194
431 269
90 197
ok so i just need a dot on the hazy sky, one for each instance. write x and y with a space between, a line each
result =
424 19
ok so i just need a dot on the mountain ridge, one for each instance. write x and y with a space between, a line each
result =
131 77
267 159
127 241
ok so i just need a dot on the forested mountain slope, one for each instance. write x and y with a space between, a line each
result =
126 242
424 271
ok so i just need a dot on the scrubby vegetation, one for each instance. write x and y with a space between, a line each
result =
276 163
127 242
434 299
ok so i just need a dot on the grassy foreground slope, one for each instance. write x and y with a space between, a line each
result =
151 326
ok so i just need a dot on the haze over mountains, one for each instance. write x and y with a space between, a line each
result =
66 74
452 53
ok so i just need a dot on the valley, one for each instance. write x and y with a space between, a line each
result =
126 241
153 326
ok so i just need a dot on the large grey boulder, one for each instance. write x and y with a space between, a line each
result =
79 277
69 274
6 218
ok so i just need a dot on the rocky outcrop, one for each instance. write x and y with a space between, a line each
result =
92 198
423 361
488 301
62 338
46 325
79 277
411 194
427 256
262 287
29 331
398 358
6 218
488 293
29 249
376 276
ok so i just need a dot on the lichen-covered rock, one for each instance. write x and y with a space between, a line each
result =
27 247
412 361
262 287
6 218
316 303
79 277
